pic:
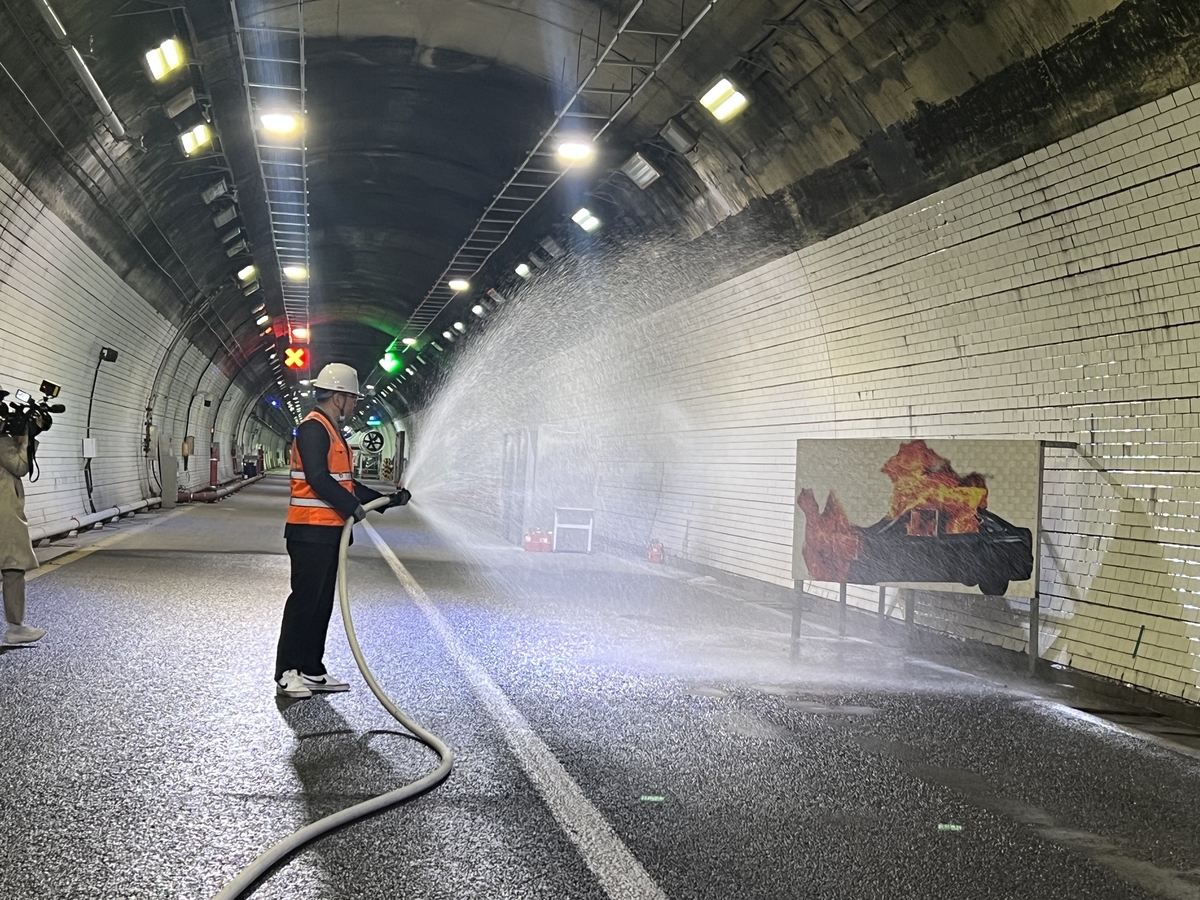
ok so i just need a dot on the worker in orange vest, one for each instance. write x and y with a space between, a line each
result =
324 496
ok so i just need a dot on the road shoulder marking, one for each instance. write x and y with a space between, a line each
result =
53 565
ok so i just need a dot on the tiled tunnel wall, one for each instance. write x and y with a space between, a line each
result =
59 304
1054 297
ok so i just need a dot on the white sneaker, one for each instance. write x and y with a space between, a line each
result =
290 684
23 634
323 684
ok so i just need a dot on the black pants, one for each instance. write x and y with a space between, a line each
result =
308 609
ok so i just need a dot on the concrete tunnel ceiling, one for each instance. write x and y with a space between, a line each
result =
420 109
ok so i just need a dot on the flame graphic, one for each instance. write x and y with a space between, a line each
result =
925 490
831 543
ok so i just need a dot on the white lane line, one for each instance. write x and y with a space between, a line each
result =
615 867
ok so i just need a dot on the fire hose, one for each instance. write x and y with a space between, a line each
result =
262 864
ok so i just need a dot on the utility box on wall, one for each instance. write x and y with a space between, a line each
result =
89 448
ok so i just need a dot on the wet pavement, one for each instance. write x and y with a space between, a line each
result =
621 729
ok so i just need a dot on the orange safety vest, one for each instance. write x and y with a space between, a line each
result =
306 507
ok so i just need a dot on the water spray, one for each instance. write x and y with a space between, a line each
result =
263 864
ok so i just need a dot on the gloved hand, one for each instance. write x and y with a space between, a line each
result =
359 513
400 498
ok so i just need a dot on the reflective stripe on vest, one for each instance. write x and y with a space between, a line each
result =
336 476
306 508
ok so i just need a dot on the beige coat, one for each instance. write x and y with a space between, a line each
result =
16 550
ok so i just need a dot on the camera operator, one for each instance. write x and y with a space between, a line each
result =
16 550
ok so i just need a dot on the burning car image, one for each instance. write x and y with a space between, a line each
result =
937 529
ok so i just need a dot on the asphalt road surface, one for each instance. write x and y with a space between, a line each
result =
621 729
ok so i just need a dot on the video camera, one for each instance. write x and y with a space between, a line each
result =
25 416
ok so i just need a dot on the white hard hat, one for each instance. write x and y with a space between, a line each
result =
338 377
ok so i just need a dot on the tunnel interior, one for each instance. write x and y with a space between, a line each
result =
735 309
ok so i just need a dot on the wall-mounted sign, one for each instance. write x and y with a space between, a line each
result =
938 514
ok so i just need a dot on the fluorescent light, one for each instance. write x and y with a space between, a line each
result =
300 333
524 271
370 387
279 123
477 309
164 59
731 107
575 150
585 220
459 326
295 273
262 320
448 335
724 100
247 273
408 341
197 139
458 284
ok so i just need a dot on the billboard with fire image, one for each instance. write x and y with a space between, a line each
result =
937 514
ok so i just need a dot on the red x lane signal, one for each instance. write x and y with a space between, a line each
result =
295 357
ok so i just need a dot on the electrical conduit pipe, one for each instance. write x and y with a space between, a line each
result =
211 495
64 526
85 75
245 879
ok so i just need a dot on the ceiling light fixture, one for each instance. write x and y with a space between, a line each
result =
640 171
478 310
409 341
196 140
165 59
180 103
523 270
249 273
262 320
458 284
575 150
300 333
279 122
460 327
724 100
295 273
585 220
213 191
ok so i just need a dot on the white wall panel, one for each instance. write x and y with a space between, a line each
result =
59 304
1055 297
